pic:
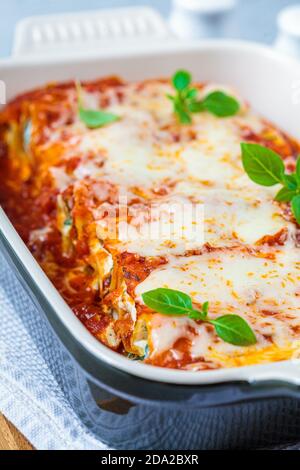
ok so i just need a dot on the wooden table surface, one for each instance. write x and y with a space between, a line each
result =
11 438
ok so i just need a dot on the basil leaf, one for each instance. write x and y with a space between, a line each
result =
195 315
181 79
235 330
231 328
295 205
298 171
171 97
196 107
184 117
182 114
220 104
285 195
205 309
93 118
262 165
290 181
190 93
168 301
68 222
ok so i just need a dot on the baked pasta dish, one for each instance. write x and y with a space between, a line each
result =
165 212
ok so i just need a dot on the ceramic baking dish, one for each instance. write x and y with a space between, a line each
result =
271 83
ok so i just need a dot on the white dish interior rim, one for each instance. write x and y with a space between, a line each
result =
144 49
287 371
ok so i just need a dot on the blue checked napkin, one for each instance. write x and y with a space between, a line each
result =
46 396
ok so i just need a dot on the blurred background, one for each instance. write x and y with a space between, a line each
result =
248 19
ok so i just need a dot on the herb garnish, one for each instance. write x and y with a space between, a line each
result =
231 328
185 100
135 357
265 167
93 118
68 222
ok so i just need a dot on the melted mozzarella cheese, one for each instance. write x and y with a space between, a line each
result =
131 157
263 291
135 155
191 217
232 216
61 179
164 331
247 279
141 149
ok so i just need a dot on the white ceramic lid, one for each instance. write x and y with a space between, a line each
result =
206 6
289 20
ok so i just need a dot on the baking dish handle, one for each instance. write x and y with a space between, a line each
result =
236 393
73 34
